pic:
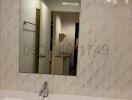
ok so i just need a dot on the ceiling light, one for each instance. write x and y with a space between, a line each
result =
70 4
127 1
115 2
108 0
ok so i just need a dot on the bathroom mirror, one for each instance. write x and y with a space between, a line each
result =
49 32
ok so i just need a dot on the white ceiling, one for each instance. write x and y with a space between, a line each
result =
56 5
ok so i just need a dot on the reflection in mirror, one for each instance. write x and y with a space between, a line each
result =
49 32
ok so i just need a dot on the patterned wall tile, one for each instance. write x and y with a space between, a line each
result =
105 57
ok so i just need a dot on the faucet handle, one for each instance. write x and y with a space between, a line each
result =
45 84
42 90
46 89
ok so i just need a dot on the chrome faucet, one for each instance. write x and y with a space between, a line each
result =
44 92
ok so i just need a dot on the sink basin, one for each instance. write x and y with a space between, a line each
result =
11 98
15 95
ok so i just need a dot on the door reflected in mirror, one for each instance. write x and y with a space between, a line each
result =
49 33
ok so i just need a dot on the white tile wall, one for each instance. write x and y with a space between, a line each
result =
101 72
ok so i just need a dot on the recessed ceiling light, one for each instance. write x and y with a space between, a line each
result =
70 4
108 0
127 1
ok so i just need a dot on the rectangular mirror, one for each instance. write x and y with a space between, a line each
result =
49 32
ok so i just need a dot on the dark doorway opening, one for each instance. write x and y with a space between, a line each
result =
37 37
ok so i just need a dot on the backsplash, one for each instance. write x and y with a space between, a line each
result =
105 53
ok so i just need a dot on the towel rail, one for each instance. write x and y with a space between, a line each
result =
25 22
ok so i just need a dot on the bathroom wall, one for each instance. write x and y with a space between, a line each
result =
105 70
56 31
57 63
65 23
27 34
44 63
68 21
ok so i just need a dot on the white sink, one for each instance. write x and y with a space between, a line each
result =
11 98
15 95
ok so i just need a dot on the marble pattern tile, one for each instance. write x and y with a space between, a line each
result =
105 53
